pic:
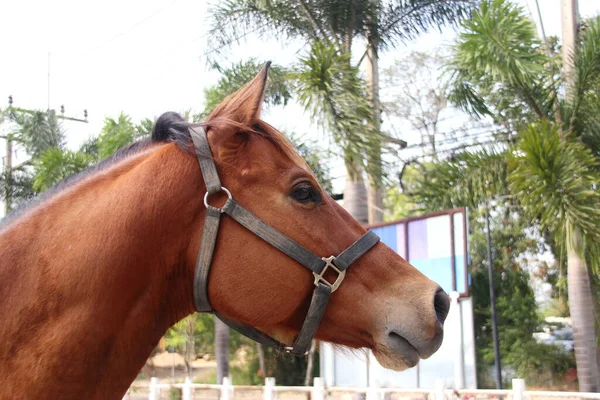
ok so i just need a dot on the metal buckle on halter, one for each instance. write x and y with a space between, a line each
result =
222 189
338 281
289 349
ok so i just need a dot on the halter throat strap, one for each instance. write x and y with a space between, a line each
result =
318 265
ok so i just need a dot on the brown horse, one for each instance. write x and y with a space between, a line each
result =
94 273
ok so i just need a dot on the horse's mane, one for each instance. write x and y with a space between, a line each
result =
168 128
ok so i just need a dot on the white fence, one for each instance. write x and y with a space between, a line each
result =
227 391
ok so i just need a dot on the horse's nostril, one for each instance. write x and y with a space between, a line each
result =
441 303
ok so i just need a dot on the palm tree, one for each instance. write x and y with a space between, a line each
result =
35 132
552 172
335 24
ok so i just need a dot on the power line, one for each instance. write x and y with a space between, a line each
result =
467 135
130 28
233 40
462 147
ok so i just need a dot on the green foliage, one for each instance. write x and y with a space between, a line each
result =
174 393
586 63
120 132
203 332
327 84
331 90
38 131
336 22
516 308
465 180
287 370
556 180
18 185
498 67
55 165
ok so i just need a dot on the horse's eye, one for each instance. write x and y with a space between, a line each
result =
306 193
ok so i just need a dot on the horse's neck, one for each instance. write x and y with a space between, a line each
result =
90 281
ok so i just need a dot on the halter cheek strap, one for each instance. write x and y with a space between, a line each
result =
318 265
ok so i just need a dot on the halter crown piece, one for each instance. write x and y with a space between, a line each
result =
318 265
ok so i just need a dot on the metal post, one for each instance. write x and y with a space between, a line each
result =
497 362
454 321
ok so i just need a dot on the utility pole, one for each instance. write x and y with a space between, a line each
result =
569 39
497 361
8 160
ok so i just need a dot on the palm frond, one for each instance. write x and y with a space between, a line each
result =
401 20
233 20
556 180
586 82
56 164
17 185
499 48
116 134
331 90
38 131
466 180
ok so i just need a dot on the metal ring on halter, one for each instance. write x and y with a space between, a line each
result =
222 189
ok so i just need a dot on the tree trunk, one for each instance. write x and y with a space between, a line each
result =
261 359
190 345
221 350
375 198
355 192
581 306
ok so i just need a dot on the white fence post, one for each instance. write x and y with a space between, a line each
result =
226 388
269 393
440 389
154 389
518 389
318 390
187 390
372 392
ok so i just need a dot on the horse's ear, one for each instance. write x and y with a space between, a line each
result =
244 106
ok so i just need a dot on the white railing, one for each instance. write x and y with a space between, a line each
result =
319 392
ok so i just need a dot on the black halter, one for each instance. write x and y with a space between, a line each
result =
318 265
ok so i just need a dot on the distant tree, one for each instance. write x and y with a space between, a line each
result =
120 132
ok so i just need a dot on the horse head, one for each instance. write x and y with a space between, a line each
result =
383 304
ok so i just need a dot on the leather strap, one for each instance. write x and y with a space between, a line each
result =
204 259
318 304
317 265
356 250
272 236
207 164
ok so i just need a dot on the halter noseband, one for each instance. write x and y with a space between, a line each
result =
318 265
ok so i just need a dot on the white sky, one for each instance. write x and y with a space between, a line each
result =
144 58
